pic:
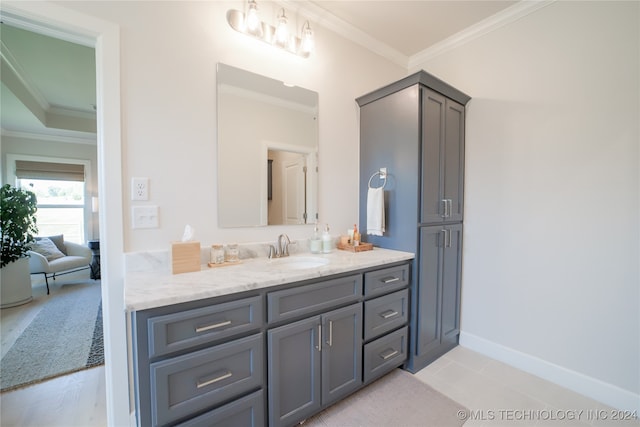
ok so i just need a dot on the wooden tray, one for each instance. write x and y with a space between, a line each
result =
360 248
224 264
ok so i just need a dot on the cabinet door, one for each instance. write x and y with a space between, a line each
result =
453 162
294 371
442 158
341 352
451 272
428 289
433 139
439 286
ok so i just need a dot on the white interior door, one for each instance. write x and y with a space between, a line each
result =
294 190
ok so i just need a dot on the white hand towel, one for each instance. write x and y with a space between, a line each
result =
375 211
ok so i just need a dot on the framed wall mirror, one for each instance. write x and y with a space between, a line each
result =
267 151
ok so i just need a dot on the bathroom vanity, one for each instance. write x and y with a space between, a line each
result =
265 342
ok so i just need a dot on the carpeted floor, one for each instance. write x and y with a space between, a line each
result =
397 399
64 337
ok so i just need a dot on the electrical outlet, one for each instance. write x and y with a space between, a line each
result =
144 217
139 188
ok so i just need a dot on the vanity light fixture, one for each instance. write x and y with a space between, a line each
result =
278 36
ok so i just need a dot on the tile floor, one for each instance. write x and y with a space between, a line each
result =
498 394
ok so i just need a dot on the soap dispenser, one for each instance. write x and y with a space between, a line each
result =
326 240
315 245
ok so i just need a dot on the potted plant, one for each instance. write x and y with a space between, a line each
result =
18 227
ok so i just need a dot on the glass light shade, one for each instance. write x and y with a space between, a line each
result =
307 39
253 20
282 31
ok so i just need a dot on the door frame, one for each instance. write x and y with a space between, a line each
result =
67 24
311 155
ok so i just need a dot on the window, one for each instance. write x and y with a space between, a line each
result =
60 190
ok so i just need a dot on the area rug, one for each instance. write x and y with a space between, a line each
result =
64 337
397 399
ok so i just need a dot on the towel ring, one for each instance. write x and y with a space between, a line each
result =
383 175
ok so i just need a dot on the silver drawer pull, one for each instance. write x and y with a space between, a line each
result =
214 380
388 314
390 279
214 326
389 355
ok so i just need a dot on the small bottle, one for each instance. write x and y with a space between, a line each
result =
217 254
356 236
326 240
315 245
231 254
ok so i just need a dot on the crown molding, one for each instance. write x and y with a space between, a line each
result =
331 22
50 138
327 20
22 78
492 23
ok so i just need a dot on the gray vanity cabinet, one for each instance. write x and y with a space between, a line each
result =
274 356
196 359
415 128
314 362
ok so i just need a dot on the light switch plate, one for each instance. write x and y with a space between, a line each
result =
144 217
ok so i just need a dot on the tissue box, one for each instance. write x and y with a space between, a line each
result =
185 257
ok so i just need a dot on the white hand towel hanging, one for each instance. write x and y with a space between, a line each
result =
375 211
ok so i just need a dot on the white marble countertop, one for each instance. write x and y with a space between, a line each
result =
149 289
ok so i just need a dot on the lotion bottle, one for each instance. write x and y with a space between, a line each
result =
326 240
315 245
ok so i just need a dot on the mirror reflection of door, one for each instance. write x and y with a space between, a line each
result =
289 192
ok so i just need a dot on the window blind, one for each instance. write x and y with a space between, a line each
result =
44 170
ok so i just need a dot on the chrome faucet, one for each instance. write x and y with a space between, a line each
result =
281 249
283 243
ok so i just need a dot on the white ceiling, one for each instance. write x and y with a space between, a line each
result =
48 85
410 27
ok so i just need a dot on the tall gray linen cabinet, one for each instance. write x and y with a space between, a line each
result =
415 129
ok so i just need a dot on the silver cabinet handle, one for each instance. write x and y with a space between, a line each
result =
444 208
389 355
319 337
450 203
390 280
214 326
224 376
330 342
446 238
388 314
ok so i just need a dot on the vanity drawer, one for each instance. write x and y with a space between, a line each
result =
384 354
180 331
386 280
193 382
247 411
385 313
294 302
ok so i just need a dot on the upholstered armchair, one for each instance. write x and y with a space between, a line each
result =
52 256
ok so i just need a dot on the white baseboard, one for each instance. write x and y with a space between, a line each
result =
601 391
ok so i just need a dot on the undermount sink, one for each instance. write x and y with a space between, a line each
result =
299 262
